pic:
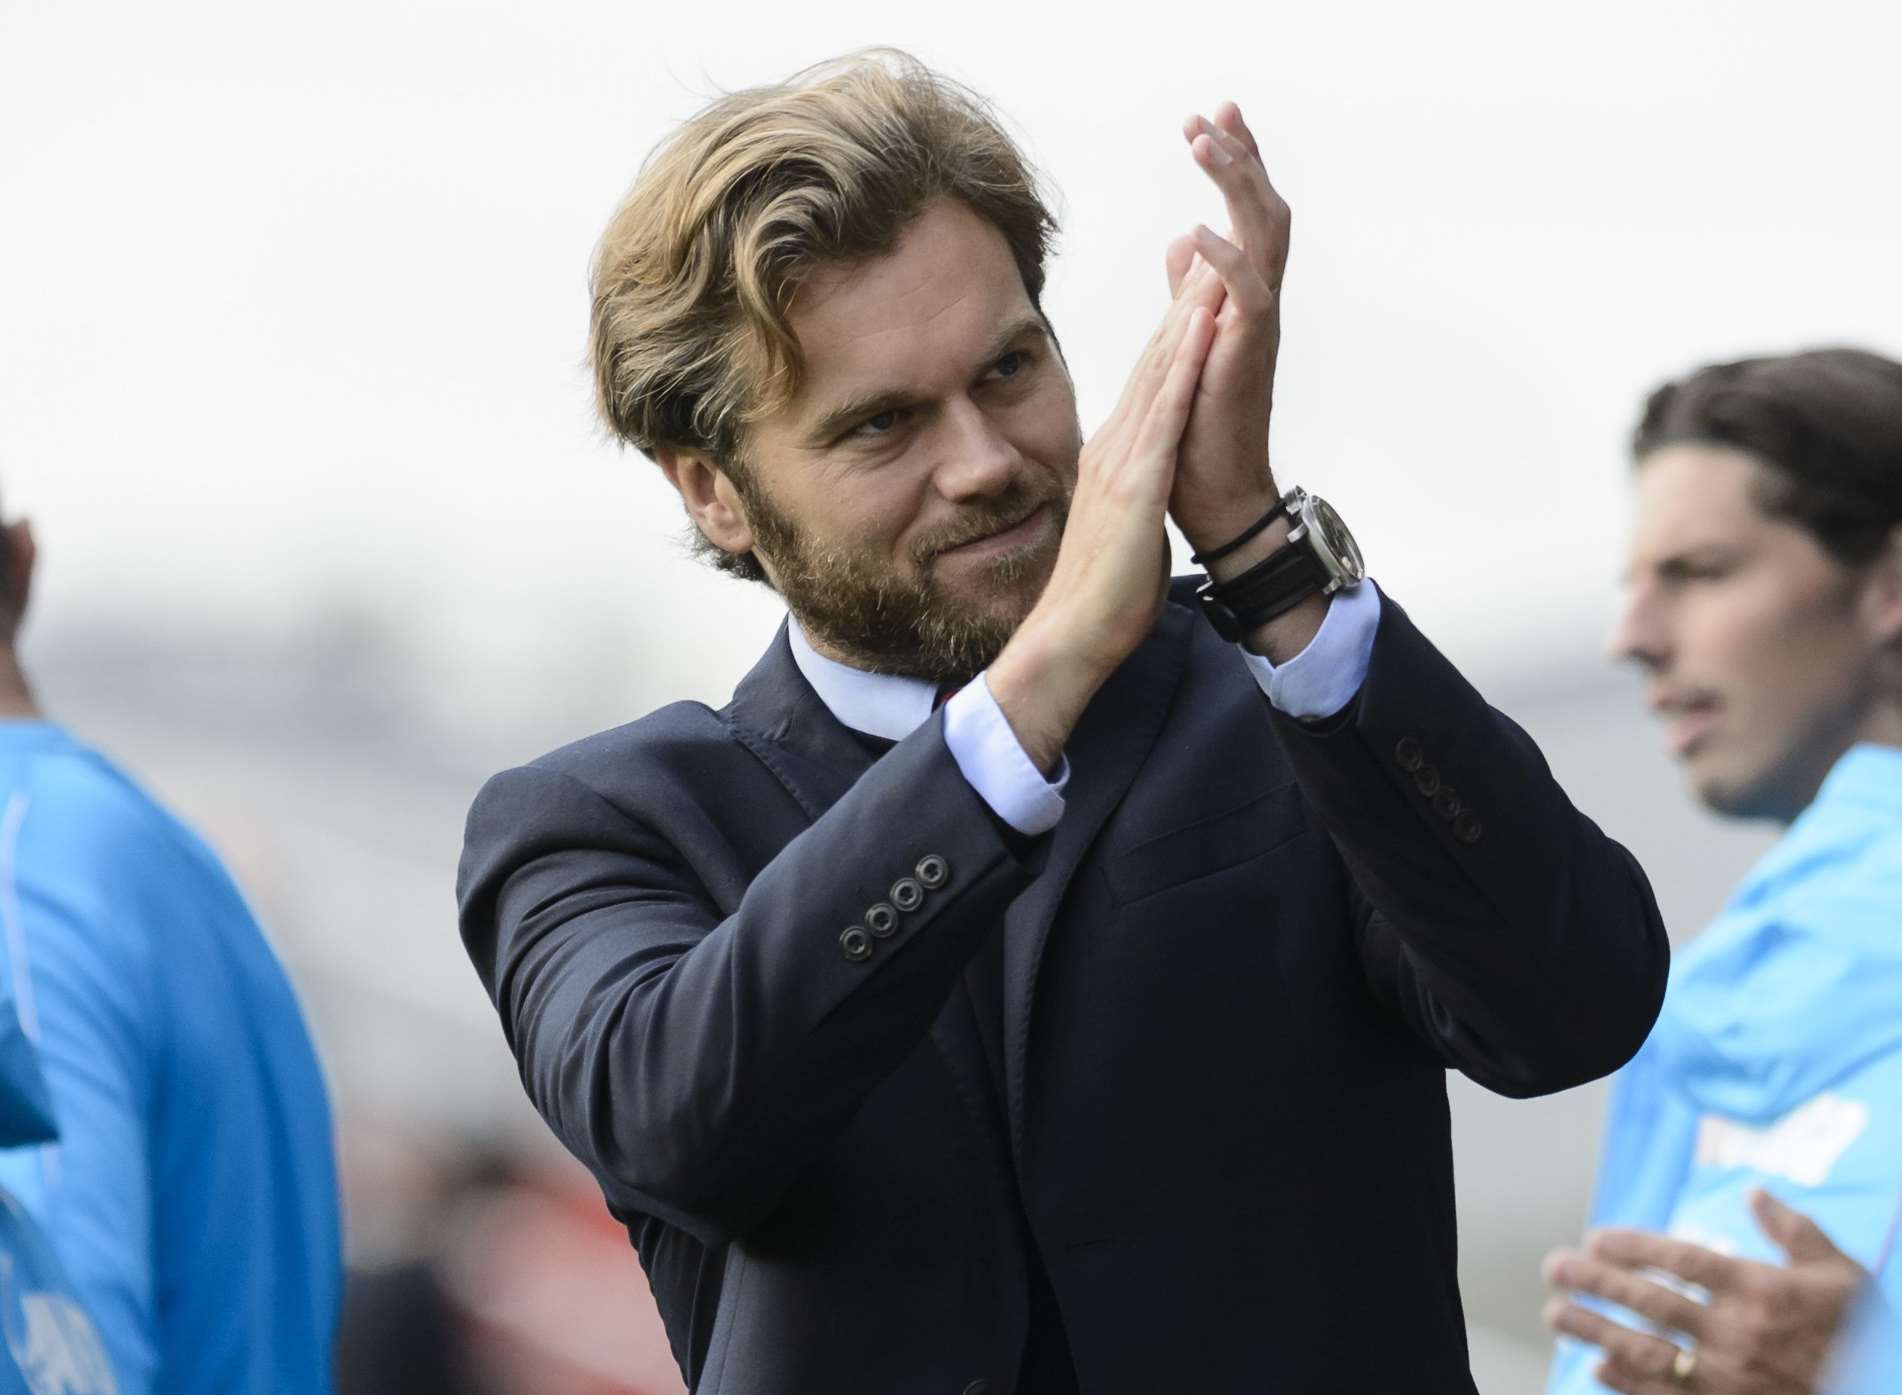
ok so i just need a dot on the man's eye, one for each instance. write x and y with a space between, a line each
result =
1011 364
878 423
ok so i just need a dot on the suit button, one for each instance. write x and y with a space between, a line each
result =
907 895
1467 827
932 871
980 1387
1427 780
855 944
881 919
1407 754
1446 803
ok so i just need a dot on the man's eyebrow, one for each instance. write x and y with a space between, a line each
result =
1032 323
1683 561
853 410
1694 558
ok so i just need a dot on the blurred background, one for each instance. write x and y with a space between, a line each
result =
292 318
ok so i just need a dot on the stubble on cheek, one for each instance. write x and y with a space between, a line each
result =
1791 701
907 620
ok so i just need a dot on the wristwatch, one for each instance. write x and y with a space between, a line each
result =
1319 557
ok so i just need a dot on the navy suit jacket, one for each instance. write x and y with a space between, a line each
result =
1205 1078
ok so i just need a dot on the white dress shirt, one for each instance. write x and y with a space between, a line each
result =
1317 682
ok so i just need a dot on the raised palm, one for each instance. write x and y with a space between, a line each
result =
1223 479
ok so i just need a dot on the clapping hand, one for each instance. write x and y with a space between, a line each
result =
1223 481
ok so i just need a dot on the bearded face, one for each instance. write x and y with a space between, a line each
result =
918 620
909 500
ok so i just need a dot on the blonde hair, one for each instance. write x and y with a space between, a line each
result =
694 277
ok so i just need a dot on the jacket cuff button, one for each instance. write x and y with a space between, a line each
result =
881 920
907 894
1467 828
855 944
1408 753
932 871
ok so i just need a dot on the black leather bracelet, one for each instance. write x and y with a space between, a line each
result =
1285 567
1254 530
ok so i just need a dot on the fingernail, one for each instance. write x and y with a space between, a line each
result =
1221 156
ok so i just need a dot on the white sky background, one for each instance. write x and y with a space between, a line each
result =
292 298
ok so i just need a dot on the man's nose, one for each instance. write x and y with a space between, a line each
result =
1641 634
978 459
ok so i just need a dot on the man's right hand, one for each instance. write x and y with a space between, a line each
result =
1108 583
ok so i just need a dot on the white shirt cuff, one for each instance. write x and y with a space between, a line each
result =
993 760
1323 678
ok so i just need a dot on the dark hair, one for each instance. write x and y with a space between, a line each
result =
1828 423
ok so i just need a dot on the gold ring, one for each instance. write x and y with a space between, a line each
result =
1684 1365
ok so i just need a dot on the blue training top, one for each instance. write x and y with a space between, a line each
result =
192 1194
1777 1060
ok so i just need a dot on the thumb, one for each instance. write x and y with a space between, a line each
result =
1795 1234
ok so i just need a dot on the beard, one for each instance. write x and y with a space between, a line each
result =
848 595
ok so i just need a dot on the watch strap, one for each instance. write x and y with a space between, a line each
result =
1278 583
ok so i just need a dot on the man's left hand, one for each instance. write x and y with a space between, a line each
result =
1223 482
1763 1330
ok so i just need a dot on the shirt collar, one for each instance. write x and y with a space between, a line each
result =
878 704
1869 775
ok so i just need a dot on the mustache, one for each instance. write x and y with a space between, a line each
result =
978 521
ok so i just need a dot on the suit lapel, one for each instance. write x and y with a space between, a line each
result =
777 716
1105 751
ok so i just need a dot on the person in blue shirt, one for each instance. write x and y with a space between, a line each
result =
1750 1191
48 1341
191 1195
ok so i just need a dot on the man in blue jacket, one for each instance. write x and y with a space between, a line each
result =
191 1195
1755 1144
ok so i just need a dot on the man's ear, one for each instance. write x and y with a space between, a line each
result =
712 502
1882 593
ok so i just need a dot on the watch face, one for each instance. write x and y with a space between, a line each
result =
1339 553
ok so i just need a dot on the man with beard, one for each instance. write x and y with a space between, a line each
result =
1026 982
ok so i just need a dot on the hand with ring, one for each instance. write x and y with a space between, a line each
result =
1760 1329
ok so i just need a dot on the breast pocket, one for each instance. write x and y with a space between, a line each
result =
1208 845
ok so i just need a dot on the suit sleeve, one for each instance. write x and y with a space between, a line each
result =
1519 942
700 1055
